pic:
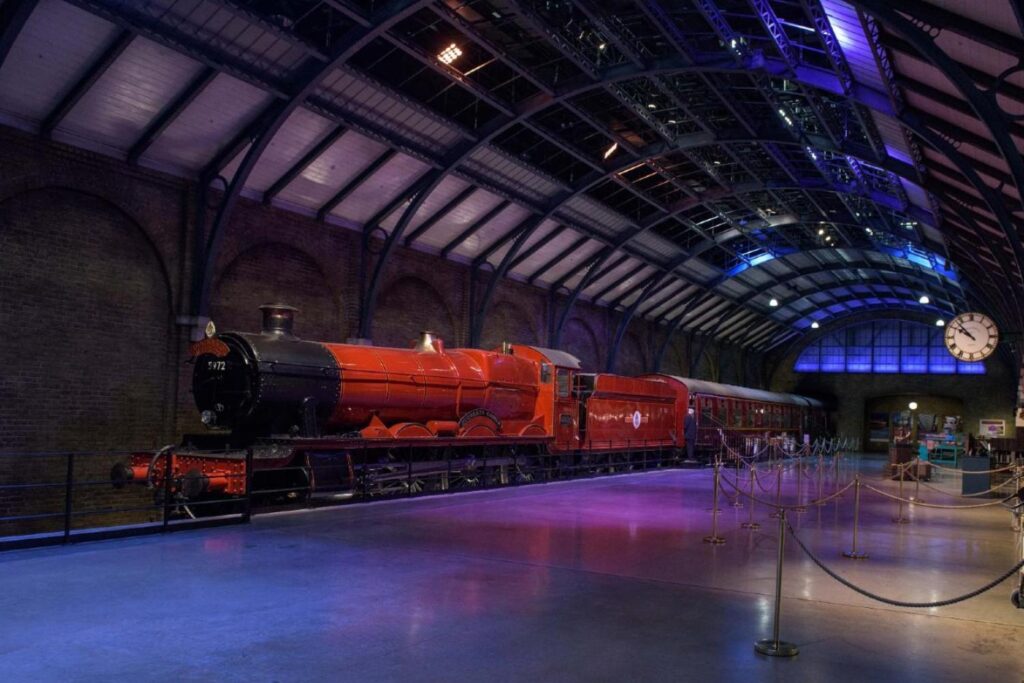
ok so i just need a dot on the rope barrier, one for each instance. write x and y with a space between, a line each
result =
960 471
778 506
922 482
941 507
902 603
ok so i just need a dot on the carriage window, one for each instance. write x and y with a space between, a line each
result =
705 409
545 373
563 383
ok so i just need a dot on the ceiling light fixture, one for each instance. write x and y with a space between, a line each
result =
940 323
774 302
449 54
924 300
611 150
815 325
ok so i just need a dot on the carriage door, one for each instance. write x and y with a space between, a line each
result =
566 409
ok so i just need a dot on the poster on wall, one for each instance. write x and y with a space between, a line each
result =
991 428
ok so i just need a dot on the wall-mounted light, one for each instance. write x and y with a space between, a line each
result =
774 302
924 300
815 325
449 54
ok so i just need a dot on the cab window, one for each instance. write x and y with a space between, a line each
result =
545 373
563 383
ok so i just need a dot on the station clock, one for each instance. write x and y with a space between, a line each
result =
971 336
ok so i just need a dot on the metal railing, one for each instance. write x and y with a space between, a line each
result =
49 498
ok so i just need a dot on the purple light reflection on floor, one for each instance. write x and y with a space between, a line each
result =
604 579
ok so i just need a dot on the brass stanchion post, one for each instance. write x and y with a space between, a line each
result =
736 502
899 518
778 490
917 480
714 538
773 647
800 508
750 523
853 553
821 465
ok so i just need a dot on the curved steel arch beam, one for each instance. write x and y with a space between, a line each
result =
627 316
983 103
911 270
524 230
808 336
13 17
816 78
844 298
312 72
912 303
676 324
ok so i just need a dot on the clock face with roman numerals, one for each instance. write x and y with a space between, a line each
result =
971 336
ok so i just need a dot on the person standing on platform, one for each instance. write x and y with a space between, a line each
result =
690 434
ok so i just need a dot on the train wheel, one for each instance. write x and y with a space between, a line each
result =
410 430
479 423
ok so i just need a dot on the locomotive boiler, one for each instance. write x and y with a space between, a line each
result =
275 384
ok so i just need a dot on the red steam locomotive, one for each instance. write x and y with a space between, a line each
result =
298 417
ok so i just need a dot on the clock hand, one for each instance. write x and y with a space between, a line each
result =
964 330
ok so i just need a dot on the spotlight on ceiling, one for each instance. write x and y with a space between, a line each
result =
815 325
821 231
940 323
924 300
602 46
774 302
611 150
912 405
449 54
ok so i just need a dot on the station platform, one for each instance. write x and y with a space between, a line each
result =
596 580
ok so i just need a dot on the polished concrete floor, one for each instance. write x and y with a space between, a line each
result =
598 580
